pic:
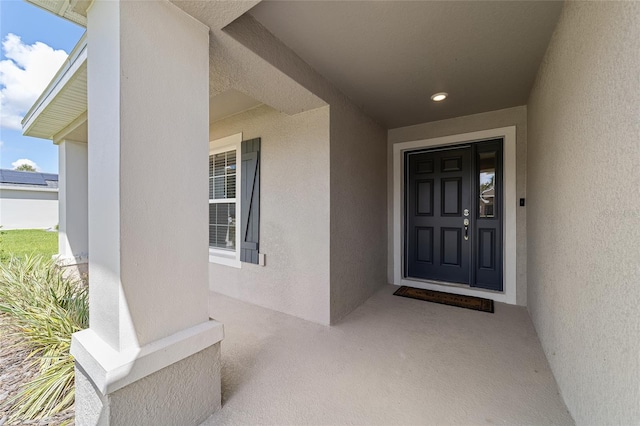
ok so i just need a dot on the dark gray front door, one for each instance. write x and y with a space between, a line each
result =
453 212
438 194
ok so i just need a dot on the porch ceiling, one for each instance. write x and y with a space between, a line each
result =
230 103
390 57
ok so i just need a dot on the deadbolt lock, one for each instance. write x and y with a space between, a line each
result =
466 222
466 212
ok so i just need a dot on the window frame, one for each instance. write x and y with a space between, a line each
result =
217 146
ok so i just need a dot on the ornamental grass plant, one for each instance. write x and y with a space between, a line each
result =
42 307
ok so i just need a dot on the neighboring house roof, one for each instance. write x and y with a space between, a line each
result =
20 179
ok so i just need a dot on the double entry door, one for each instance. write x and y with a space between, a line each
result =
453 207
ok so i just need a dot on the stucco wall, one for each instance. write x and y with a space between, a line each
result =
584 210
186 392
489 120
21 209
358 215
357 201
148 127
294 214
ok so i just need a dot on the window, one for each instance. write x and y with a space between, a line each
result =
224 200
487 190
234 234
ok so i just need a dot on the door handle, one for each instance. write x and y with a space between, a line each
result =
466 229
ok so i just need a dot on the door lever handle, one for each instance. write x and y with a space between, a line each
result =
466 229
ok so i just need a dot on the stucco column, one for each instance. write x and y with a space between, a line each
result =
151 354
73 240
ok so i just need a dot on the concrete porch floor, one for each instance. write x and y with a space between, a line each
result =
392 361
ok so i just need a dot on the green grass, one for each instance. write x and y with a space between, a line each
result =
23 242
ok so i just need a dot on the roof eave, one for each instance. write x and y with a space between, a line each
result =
74 67
28 188
71 10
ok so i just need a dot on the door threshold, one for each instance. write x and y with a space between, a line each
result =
457 288
447 283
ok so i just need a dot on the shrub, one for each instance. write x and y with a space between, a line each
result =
43 307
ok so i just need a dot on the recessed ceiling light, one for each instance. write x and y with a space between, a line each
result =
438 97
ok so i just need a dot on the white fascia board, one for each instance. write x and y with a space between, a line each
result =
76 61
27 188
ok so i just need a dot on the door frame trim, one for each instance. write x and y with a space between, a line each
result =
508 135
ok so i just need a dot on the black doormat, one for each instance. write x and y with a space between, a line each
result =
469 302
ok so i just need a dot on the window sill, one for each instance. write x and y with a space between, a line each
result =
222 257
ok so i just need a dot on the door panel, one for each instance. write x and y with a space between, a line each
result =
452 164
451 247
425 245
424 196
438 188
487 248
425 166
451 196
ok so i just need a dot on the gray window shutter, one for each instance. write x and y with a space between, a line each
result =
250 198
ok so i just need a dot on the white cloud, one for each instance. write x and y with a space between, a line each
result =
22 161
23 76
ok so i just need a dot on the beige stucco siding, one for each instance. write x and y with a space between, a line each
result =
584 210
294 214
358 213
489 120
357 164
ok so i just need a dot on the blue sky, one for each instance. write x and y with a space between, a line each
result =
26 64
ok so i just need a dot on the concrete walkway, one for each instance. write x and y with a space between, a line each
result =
391 361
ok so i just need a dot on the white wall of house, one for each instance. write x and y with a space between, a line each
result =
517 117
294 214
584 210
22 208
